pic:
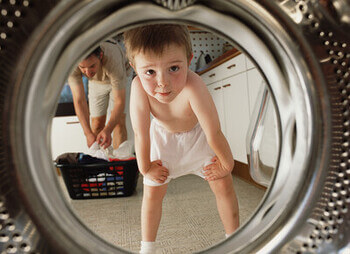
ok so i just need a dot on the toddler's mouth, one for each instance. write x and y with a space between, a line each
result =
164 93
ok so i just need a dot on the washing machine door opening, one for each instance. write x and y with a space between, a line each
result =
294 82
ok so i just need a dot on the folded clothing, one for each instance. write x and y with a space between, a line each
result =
78 158
88 159
93 186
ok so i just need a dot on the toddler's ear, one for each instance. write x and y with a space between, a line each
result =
132 66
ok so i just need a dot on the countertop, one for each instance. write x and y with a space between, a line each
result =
219 60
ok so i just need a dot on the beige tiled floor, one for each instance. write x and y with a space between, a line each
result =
190 219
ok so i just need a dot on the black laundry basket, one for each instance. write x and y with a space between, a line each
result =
100 180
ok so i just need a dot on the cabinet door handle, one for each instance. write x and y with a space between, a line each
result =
211 75
72 122
227 85
217 88
231 66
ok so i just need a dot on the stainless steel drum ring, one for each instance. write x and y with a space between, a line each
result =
301 48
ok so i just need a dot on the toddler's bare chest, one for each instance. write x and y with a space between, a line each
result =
166 111
175 118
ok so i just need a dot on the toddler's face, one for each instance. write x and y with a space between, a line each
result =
163 77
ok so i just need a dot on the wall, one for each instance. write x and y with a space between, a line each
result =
208 43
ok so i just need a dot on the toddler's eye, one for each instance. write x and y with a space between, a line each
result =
174 68
150 72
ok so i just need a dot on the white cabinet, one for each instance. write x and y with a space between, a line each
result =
231 100
235 94
234 97
227 84
67 136
229 68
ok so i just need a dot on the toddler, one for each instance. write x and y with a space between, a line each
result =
184 136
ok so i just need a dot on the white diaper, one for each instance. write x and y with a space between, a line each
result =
181 153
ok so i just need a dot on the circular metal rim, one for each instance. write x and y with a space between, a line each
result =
55 77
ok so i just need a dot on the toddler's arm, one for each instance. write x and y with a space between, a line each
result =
140 119
203 106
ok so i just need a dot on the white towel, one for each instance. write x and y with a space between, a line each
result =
98 152
123 152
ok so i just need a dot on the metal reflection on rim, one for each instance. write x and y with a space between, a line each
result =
279 61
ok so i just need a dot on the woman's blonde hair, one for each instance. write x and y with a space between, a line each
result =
155 38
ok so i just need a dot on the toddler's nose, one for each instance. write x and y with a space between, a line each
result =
162 82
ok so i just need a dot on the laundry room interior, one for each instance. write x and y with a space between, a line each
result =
190 221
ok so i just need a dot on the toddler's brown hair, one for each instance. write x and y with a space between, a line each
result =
154 38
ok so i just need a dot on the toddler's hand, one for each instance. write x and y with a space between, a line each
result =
157 172
215 170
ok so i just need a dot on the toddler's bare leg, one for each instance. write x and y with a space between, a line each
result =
151 211
226 202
